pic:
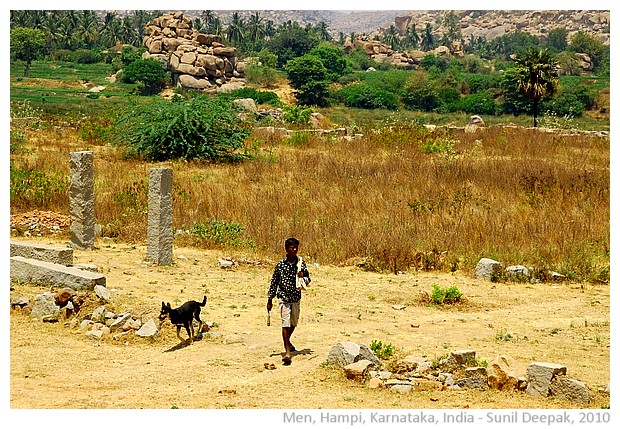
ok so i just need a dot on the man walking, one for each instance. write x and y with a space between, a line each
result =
284 285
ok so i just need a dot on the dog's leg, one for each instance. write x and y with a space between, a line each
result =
178 333
187 326
197 316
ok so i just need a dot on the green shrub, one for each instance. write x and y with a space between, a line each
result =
442 296
565 104
260 97
479 103
419 93
267 58
383 351
201 127
261 75
86 56
308 76
364 96
296 114
149 72
221 233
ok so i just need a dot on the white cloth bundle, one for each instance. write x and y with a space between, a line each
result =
301 281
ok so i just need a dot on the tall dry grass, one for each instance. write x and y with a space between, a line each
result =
395 199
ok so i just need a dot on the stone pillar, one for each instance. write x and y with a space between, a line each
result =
159 232
82 200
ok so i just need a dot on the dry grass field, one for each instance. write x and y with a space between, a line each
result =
53 366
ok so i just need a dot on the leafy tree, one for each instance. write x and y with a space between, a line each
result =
149 72
419 93
308 76
199 128
332 58
292 41
536 74
364 96
596 50
27 45
558 39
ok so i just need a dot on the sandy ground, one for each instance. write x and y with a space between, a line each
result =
53 366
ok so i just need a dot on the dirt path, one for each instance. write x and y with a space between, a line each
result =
54 366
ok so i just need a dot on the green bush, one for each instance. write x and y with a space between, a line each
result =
366 97
296 114
479 103
564 104
267 58
383 351
442 296
201 127
260 97
221 233
86 56
332 58
419 93
388 80
308 76
261 75
149 72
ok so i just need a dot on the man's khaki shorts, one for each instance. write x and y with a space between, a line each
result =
290 313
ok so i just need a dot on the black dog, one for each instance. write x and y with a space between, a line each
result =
183 315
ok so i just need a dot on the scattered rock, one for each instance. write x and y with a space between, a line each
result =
45 305
102 292
570 390
487 268
539 376
148 330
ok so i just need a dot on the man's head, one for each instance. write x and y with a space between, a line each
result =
291 242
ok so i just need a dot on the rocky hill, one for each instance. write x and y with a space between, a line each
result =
494 23
487 23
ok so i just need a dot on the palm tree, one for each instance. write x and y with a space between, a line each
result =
322 29
537 76
207 17
428 40
88 29
256 29
412 38
234 32
391 37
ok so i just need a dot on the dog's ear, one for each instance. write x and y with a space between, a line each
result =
168 305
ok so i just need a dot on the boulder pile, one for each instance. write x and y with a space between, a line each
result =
196 60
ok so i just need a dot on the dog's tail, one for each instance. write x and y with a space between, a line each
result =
204 301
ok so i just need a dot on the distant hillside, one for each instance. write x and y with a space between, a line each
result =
347 21
495 23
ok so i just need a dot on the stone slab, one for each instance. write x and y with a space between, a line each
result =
57 255
48 273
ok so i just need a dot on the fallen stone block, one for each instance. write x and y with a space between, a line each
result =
358 370
504 373
57 255
50 274
539 375
487 268
571 390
